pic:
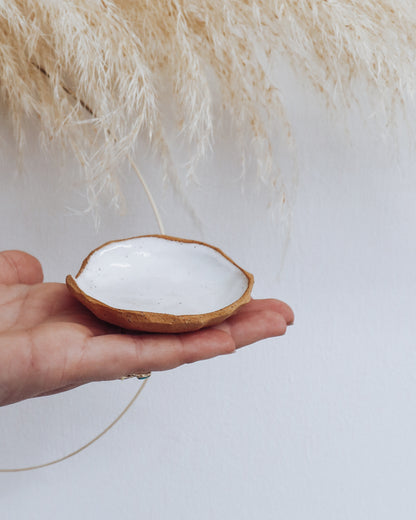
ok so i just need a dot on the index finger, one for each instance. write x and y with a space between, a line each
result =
114 355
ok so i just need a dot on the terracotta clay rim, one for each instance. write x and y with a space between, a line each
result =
244 298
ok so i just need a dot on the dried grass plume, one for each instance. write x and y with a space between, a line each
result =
94 71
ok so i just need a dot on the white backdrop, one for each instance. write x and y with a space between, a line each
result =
319 424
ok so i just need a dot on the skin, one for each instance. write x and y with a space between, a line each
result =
50 343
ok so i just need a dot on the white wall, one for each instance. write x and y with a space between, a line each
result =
319 424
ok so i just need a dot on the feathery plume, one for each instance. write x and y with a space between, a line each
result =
94 71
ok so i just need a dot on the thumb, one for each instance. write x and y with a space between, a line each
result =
19 267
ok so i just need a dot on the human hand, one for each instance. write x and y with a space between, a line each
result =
50 343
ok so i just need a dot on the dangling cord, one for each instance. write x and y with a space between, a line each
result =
139 391
148 195
85 446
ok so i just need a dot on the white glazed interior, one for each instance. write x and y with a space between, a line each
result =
153 274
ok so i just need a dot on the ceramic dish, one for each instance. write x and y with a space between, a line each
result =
157 283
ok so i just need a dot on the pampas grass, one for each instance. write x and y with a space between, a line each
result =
94 72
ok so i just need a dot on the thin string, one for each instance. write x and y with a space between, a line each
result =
139 391
85 446
148 195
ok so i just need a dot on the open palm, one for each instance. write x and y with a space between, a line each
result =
50 343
